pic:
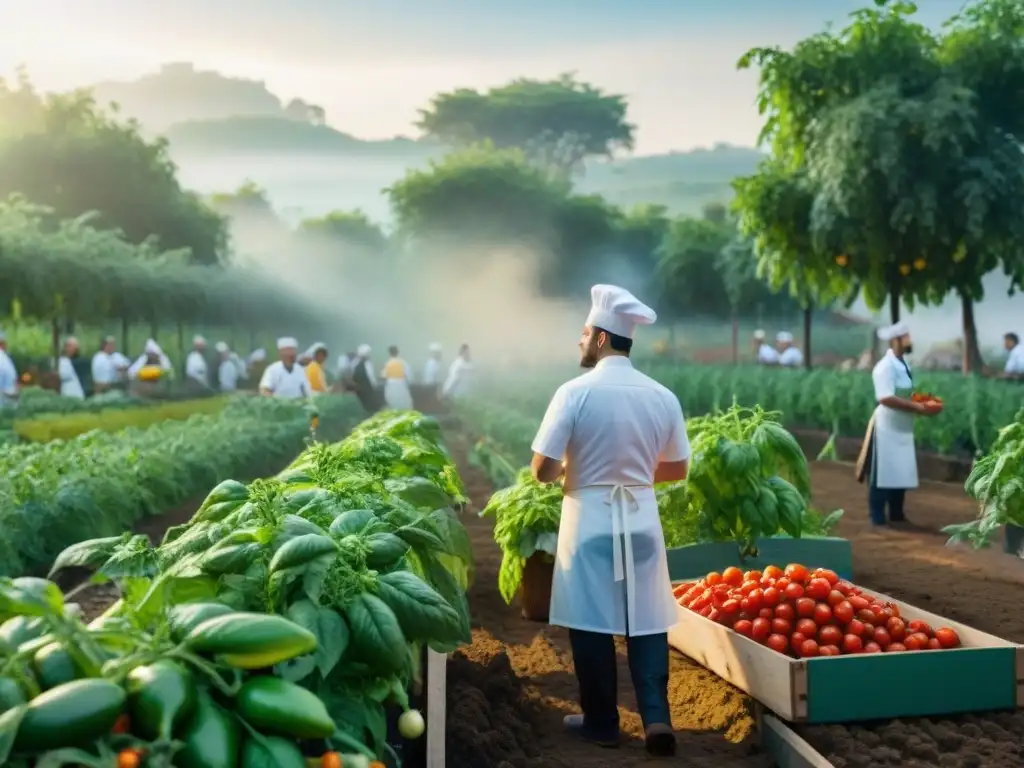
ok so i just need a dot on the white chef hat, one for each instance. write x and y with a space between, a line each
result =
152 348
617 311
759 335
435 347
363 350
318 346
893 331
197 340
287 342
221 346
784 337
258 356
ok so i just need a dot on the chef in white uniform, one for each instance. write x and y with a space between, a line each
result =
763 351
1014 368
285 378
613 433
197 375
432 370
790 356
460 376
8 376
228 370
106 373
888 458
70 385
152 354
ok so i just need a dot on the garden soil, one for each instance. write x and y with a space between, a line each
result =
509 689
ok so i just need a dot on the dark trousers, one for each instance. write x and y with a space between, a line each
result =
881 498
593 655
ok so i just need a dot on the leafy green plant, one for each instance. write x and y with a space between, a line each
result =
997 483
526 517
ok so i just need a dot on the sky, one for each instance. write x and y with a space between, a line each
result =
372 65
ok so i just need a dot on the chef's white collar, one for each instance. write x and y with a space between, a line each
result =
614 360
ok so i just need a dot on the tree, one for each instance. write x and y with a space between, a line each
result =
558 122
61 151
908 170
351 228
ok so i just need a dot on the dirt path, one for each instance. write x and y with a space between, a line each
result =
509 690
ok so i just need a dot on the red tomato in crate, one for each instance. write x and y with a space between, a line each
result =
859 603
856 627
770 596
778 643
794 591
772 572
806 627
809 649
731 606
916 641
947 637
706 611
852 644
785 611
822 614
872 647
732 575
743 627
753 576
796 573
781 626
934 644
805 607
916 625
896 648
867 616
766 613
881 637
824 573
835 597
830 635
760 629
818 589
843 612
796 642
781 584
829 650
713 578
897 629
713 613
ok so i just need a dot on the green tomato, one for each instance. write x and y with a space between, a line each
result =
410 724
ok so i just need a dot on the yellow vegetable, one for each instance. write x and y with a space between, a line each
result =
150 373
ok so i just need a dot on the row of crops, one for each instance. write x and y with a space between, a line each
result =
285 621
101 482
837 402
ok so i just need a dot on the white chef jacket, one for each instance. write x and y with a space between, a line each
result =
766 353
104 368
228 375
8 379
195 367
346 365
70 386
791 357
460 376
1015 361
894 463
284 383
612 426
432 372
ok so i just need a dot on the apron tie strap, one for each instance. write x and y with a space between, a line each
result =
623 502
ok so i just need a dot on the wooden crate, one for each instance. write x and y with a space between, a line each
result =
695 560
986 674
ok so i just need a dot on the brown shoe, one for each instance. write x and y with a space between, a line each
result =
574 724
660 740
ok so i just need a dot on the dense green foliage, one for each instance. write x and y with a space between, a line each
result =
99 483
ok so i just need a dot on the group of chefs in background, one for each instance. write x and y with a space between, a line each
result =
292 375
784 353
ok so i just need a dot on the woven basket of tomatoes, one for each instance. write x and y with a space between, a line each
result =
774 633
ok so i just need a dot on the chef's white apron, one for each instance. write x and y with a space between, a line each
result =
894 462
397 394
609 542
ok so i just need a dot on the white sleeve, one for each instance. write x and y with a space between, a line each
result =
65 371
134 368
1015 361
228 375
453 377
884 378
678 446
553 436
99 374
268 380
195 366
8 376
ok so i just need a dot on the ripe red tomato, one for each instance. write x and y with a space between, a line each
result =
743 627
772 572
807 627
706 611
778 643
756 598
713 613
934 644
797 573
896 648
881 637
766 613
843 612
824 573
822 614
785 611
794 591
894 608
730 606
782 583
872 647
867 616
852 644
760 629
947 637
747 587
897 629
781 626
845 587
835 597
808 649
713 578
916 641
796 641
805 607
830 635
732 575
818 589
829 650
752 576
855 627
770 596
916 625
858 602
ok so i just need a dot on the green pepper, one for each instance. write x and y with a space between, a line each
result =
271 752
251 640
212 737
11 694
70 715
272 704
54 666
186 617
161 698
21 629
